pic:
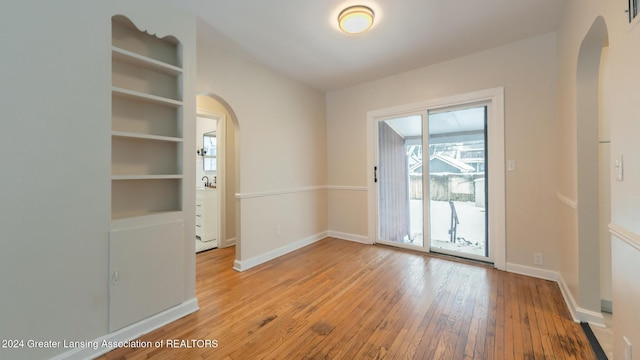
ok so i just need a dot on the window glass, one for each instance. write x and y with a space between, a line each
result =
210 151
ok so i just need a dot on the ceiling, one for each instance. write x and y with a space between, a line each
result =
300 38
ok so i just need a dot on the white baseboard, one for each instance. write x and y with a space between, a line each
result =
242 265
132 331
568 298
230 242
578 314
351 237
532 271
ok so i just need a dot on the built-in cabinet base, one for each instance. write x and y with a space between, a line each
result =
146 270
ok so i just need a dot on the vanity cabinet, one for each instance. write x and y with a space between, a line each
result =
207 215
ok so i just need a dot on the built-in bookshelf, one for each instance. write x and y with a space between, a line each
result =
146 240
147 124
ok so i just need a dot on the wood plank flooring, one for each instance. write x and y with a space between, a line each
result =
341 300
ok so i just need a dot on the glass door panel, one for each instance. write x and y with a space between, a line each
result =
400 182
458 182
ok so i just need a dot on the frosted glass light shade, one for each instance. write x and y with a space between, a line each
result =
355 19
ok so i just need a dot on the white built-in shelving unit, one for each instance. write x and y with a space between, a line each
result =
147 173
147 133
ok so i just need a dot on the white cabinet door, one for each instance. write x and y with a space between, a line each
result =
207 214
146 269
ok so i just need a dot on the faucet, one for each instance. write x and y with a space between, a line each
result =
206 183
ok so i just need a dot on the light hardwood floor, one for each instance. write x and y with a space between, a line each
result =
341 300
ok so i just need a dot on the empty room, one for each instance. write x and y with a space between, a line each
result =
333 179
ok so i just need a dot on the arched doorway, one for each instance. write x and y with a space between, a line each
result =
589 170
208 104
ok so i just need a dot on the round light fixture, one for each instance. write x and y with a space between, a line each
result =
355 19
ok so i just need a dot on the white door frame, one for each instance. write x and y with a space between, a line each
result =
221 170
495 170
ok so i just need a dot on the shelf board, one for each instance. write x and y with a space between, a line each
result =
133 218
147 177
136 95
141 60
131 135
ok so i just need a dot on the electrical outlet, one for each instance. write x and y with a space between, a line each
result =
538 258
278 230
628 355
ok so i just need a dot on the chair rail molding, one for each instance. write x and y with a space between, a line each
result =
347 188
625 235
567 201
280 192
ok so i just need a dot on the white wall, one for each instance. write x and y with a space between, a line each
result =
618 88
527 70
55 178
282 148
54 150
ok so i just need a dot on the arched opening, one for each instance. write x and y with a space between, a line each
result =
592 196
212 106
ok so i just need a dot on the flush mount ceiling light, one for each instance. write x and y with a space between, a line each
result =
355 19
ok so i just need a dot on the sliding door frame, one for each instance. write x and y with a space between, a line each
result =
495 171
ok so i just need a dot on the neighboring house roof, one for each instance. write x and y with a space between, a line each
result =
454 163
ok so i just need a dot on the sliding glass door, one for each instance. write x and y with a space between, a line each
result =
445 165
400 182
458 181
437 181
